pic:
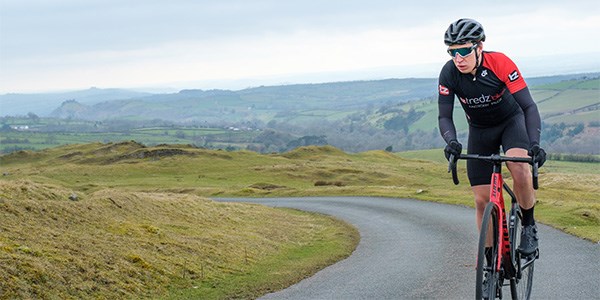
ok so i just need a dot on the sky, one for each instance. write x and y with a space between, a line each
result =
60 45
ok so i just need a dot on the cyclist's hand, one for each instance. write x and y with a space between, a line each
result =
453 147
538 154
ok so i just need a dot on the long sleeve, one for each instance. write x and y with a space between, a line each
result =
446 103
532 115
446 123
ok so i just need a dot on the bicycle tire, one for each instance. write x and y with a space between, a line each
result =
486 279
514 231
520 285
521 288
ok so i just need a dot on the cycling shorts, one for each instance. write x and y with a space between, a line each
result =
512 133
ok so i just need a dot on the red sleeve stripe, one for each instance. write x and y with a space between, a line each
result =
506 70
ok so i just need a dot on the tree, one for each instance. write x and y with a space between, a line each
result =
402 121
180 134
578 129
6 128
272 140
34 118
308 140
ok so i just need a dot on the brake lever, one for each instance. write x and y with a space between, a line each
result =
451 163
534 176
452 168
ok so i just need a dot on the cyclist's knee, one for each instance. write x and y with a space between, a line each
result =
480 204
519 171
482 195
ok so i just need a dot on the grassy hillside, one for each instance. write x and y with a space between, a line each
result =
142 224
571 101
398 113
288 103
557 96
130 166
118 244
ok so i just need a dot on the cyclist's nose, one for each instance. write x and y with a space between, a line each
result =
458 58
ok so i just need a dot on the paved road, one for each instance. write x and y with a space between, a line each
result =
412 249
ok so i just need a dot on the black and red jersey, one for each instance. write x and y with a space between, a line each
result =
495 93
486 97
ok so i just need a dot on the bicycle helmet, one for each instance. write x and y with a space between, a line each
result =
464 31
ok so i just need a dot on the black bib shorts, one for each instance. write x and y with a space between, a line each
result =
509 134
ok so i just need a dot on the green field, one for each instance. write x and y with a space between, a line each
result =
558 102
295 111
569 102
143 224
212 137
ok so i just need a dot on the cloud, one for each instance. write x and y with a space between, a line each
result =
67 43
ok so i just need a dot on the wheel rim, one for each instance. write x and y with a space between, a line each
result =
523 285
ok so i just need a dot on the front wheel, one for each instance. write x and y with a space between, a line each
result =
487 275
520 288
520 284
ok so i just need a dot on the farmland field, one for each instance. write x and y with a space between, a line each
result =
36 140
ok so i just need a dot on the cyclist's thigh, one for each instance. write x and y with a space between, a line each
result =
482 141
514 134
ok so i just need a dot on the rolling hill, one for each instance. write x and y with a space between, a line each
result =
560 98
334 100
354 116
43 103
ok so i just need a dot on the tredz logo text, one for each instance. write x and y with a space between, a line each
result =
482 100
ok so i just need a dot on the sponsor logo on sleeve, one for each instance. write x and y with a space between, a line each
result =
513 76
444 90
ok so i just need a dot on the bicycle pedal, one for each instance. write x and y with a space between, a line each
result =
531 257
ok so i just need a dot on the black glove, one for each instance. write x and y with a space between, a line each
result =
453 147
538 154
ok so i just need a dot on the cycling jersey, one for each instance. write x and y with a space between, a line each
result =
496 93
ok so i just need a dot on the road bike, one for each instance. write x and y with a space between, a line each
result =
502 260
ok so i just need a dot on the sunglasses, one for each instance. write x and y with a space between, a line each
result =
463 52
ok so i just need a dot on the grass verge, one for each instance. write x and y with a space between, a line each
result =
114 244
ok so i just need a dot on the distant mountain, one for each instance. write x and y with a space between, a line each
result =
255 103
354 116
288 103
44 103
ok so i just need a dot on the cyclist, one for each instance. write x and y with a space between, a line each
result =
500 112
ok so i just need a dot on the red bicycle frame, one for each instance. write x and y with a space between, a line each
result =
505 255
497 197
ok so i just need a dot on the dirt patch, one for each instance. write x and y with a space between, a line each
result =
267 186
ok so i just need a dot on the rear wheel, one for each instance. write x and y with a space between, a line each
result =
487 275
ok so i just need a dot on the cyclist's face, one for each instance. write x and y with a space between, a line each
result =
464 57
